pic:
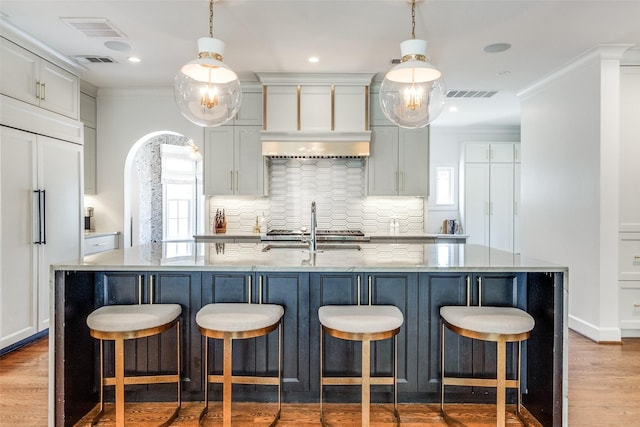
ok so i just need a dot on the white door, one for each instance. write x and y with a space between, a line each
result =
383 162
60 165
413 162
219 174
477 199
18 254
59 90
501 206
249 163
20 69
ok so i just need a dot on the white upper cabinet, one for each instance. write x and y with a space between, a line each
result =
399 162
29 78
233 162
250 112
493 152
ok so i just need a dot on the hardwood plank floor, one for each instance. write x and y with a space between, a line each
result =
604 390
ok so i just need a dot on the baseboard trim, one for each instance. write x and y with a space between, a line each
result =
22 343
600 335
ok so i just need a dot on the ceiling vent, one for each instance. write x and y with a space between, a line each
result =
94 27
94 59
471 93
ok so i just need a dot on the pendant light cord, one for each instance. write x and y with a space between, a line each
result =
413 19
211 18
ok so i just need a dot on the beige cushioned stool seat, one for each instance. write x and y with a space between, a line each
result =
238 317
360 319
134 317
489 320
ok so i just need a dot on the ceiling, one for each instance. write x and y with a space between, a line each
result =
348 36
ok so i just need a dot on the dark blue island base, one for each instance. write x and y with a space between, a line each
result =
419 294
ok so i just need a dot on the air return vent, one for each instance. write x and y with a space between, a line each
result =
471 93
93 59
94 27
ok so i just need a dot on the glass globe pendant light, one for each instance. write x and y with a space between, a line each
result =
208 92
412 93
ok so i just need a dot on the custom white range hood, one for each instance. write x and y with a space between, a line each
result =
316 144
316 115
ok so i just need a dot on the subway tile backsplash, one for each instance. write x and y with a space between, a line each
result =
338 188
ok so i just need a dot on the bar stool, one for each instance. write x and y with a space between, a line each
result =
230 321
364 323
124 322
486 323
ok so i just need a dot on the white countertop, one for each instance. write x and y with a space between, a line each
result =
251 257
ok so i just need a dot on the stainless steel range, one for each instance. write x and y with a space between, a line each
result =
321 234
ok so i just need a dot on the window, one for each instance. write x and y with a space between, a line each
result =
445 189
180 195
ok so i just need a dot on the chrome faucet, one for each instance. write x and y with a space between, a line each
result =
313 245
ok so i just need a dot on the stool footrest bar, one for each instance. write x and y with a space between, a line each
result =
477 382
356 380
144 379
241 379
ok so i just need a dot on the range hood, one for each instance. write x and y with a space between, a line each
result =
310 144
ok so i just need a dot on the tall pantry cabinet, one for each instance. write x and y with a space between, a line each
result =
629 224
41 166
491 172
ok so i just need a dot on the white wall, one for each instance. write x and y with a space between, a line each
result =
445 145
570 187
124 117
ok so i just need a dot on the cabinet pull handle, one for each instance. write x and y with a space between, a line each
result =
468 291
37 90
140 289
151 289
237 180
260 289
479 291
43 92
636 258
39 217
249 286
231 181
100 244
369 290
359 285
636 305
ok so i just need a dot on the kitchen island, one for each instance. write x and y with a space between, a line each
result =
417 278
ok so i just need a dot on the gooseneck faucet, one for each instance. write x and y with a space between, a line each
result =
312 238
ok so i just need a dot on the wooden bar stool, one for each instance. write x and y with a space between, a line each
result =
364 323
486 323
124 322
229 321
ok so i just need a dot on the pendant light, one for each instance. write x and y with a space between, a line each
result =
208 92
412 93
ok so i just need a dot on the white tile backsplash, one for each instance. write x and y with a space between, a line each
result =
338 188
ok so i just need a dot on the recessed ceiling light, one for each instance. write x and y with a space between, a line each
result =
134 59
453 109
497 47
313 59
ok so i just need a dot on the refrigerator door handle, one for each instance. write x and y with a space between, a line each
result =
38 217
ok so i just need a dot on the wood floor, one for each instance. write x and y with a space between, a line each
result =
604 390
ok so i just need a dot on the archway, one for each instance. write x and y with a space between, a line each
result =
156 162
